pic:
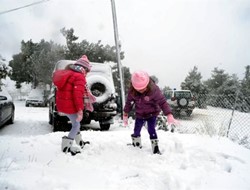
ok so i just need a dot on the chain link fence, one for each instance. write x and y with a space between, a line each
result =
214 115
217 115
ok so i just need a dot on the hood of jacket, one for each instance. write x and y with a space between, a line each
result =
60 77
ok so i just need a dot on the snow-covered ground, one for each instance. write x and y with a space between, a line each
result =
30 158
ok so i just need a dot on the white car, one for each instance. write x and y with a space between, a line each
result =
36 97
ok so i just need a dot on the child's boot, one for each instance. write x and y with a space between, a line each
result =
155 147
136 141
67 146
79 140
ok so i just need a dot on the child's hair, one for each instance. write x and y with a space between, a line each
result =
149 87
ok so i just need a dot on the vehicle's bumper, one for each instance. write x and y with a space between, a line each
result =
34 103
97 116
182 108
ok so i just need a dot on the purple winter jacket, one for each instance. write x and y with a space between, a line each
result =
147 104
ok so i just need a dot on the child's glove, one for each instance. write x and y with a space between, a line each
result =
79 116
171 120
125 119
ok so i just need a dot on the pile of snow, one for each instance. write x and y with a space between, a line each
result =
30 158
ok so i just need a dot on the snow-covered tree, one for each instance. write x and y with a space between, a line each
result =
246 82
154 78
35 63
193 82
5 70
216 81
165 89
224 87
97 52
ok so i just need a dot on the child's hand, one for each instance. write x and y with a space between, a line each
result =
79 116
171 120
125 119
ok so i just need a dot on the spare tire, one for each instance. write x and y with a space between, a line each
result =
100 87
183 102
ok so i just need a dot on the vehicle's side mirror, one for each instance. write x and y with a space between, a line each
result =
3 98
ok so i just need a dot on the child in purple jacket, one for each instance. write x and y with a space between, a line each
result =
148 100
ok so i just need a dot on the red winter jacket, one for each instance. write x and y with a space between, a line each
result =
70 90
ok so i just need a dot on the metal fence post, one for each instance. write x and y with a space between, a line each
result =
232 115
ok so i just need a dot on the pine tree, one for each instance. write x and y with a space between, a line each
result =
193 82
96 52
35 63
246 82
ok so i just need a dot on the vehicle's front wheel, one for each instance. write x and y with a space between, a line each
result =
11 120
50 119
105 127
189 112
58 125
176 113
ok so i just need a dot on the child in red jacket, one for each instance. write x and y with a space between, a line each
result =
71 88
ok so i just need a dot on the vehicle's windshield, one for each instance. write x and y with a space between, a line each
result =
182 94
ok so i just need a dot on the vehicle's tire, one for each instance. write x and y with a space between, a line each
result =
183 102
50 119
86 117
105 127
176 113
100 87
87 121
60 124
189 112
56 124
11 120
245 108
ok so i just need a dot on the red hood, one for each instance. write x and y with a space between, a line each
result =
60 77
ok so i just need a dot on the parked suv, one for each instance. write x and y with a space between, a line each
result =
101 84
180 101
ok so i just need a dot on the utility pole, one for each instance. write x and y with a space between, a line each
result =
117 44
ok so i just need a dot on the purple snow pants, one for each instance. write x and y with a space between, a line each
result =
151 127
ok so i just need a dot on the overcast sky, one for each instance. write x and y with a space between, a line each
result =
167 38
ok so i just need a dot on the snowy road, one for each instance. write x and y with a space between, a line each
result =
29 121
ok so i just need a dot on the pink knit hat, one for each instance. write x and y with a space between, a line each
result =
140 80
84 62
